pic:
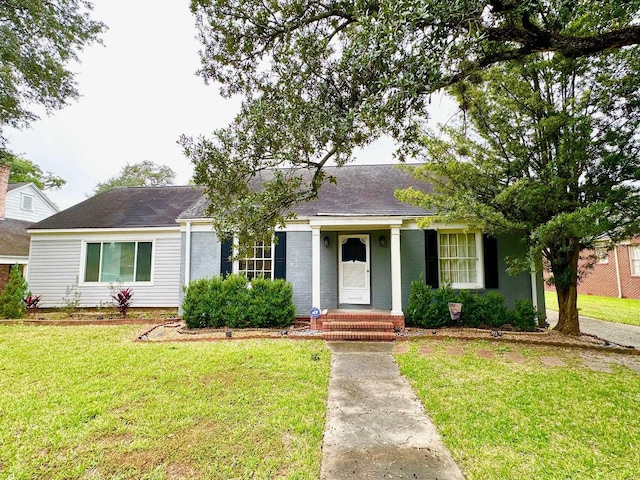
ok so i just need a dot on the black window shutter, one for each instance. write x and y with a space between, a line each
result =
226 262
431 258
280 267
490 247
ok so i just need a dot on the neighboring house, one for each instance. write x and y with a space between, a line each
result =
21 204
615 273
355 246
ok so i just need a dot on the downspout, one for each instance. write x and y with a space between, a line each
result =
615 251
187 255
534 286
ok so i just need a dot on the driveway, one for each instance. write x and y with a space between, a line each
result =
626 335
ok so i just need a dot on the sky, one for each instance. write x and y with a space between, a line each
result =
139 93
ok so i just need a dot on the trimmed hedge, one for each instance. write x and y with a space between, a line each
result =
235 302
428 308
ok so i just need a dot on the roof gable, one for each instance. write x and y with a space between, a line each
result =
31 188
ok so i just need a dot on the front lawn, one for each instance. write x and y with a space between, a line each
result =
504 420
610 309
87 402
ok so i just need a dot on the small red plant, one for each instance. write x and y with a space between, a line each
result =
122 300
31 303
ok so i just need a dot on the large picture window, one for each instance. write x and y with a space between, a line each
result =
459 260
118 262
259 264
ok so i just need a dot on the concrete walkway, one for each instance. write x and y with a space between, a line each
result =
376 427
626 335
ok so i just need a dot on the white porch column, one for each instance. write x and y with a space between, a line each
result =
396 277
187 255
315 267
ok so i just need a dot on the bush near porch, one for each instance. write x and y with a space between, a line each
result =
428 308
235 302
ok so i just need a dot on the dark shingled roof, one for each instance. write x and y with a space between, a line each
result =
126 207
364 190
361 190
14 239
13 186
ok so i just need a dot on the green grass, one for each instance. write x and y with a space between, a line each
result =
503 420
617 310
87 402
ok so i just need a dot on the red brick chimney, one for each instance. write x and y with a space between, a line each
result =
4 185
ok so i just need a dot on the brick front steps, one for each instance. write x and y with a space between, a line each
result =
359 325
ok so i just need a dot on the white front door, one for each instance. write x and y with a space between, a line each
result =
353 266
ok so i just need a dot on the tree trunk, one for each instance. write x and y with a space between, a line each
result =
565 271
568 321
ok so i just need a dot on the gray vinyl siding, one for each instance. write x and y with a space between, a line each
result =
412 262
299 262
55 265
329 271
40 209
381 270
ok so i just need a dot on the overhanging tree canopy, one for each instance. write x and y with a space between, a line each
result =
38 40
549 151
322 78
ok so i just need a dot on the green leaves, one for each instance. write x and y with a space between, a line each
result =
39 39
141 174
320 79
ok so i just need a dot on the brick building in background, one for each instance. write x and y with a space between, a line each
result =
616 272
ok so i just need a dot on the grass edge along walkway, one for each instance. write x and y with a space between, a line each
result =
609 309
503 419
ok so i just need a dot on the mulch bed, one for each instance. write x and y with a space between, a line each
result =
178 332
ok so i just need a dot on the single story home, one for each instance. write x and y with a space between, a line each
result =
21 205
355 246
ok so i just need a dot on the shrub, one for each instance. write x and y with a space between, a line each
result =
31 303
525 316
491 309
428 308
425 307
196 313
215 302
122 300
271 303
236 301
232 302
470 315
11 298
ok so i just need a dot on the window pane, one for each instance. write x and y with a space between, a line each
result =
143 262
458 258
117 262
92 267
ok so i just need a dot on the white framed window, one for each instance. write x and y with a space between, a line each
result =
460 259
602 254
115 262
634 257
260 263
26 202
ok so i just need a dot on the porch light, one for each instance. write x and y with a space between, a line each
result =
382 240
326 242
